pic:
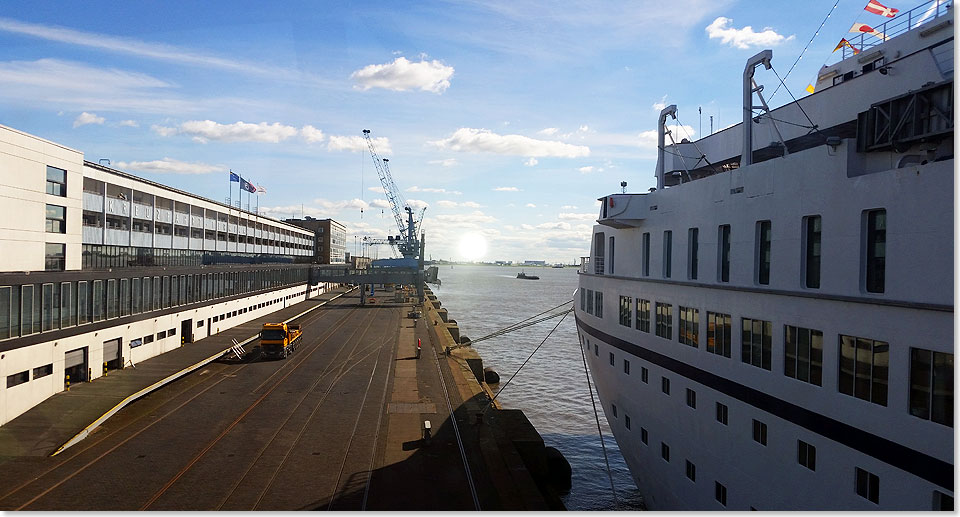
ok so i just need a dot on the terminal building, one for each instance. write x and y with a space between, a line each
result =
100 269
330 246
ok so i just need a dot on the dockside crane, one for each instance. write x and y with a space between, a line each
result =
408 242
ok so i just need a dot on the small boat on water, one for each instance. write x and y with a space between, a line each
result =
527 277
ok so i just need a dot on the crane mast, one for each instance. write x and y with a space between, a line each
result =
409 245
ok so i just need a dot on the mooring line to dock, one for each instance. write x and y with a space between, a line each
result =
525 323
596 416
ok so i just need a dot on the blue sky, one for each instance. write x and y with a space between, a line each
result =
507 119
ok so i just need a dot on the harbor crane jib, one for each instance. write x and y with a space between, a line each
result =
409 243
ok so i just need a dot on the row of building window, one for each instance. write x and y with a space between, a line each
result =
96 256
863 363
874 254
23 377
866 483
32 308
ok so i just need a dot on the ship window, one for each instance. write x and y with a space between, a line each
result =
626 308
583 299
626 367
689 332
598 253
931 385
599 304
611 255
803 354
665 452
723 257
876 250
691 398
665 320
646 254
626 421
806 455
643 315
757 342
942 502
643 435
614 408
763 252
693 249
718 333
667 253
589 301
720 493
612 360
868 485
644 375
722 413
760 432
691 471
596 349
665 385
863 368
811 255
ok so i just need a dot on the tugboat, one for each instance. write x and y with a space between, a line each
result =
527 277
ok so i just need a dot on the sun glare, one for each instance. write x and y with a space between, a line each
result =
473 246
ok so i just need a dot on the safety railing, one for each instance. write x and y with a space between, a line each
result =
903 22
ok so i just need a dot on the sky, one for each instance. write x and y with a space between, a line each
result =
505 119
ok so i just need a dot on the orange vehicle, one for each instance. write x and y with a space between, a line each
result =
278 340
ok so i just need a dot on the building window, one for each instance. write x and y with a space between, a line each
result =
718 333
599 304
643 435
868 485
722 413
644 375
691 398
691 471
763 252
56 181
760 432
56 219
931 385
667 253
757 342
863 368
665 320
693 249
55 256
803 354
646 254
665 385
720 493
626 308
876 250
626 367
689 333
723 253
643 315
612 361
18 378
665 452
811 254
806 455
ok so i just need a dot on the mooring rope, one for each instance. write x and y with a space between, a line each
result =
596 416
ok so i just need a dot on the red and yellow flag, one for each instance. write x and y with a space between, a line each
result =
845 43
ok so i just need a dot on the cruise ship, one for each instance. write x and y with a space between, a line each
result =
771 327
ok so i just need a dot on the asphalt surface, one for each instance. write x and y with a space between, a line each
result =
337 425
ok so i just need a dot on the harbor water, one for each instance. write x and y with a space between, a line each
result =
551 389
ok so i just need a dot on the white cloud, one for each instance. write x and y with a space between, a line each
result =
171 166
417 204
658 106
576 217
584 129
445 203
128 123
486 141
379 190
506 189
549 131
337 206
87 118
433 190
447 162
354 144
401 75
476 217
163 131
568 207
470 204
743 38
648 139
311 134
587 169
530 205
380 203
205 130
531 162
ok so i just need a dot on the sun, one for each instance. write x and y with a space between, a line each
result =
473 246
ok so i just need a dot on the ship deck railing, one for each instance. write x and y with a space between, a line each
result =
903 22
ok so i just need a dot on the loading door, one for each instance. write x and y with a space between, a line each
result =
75 366
186 332
111 354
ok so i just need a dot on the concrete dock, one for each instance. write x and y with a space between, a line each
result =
338 425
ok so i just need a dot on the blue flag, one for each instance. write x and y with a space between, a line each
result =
246 185
234 177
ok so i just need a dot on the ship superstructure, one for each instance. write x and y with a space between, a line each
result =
771 327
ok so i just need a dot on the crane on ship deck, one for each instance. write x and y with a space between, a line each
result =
408 243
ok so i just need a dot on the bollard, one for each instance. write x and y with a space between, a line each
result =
68 382
426 432
104 369
418 348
